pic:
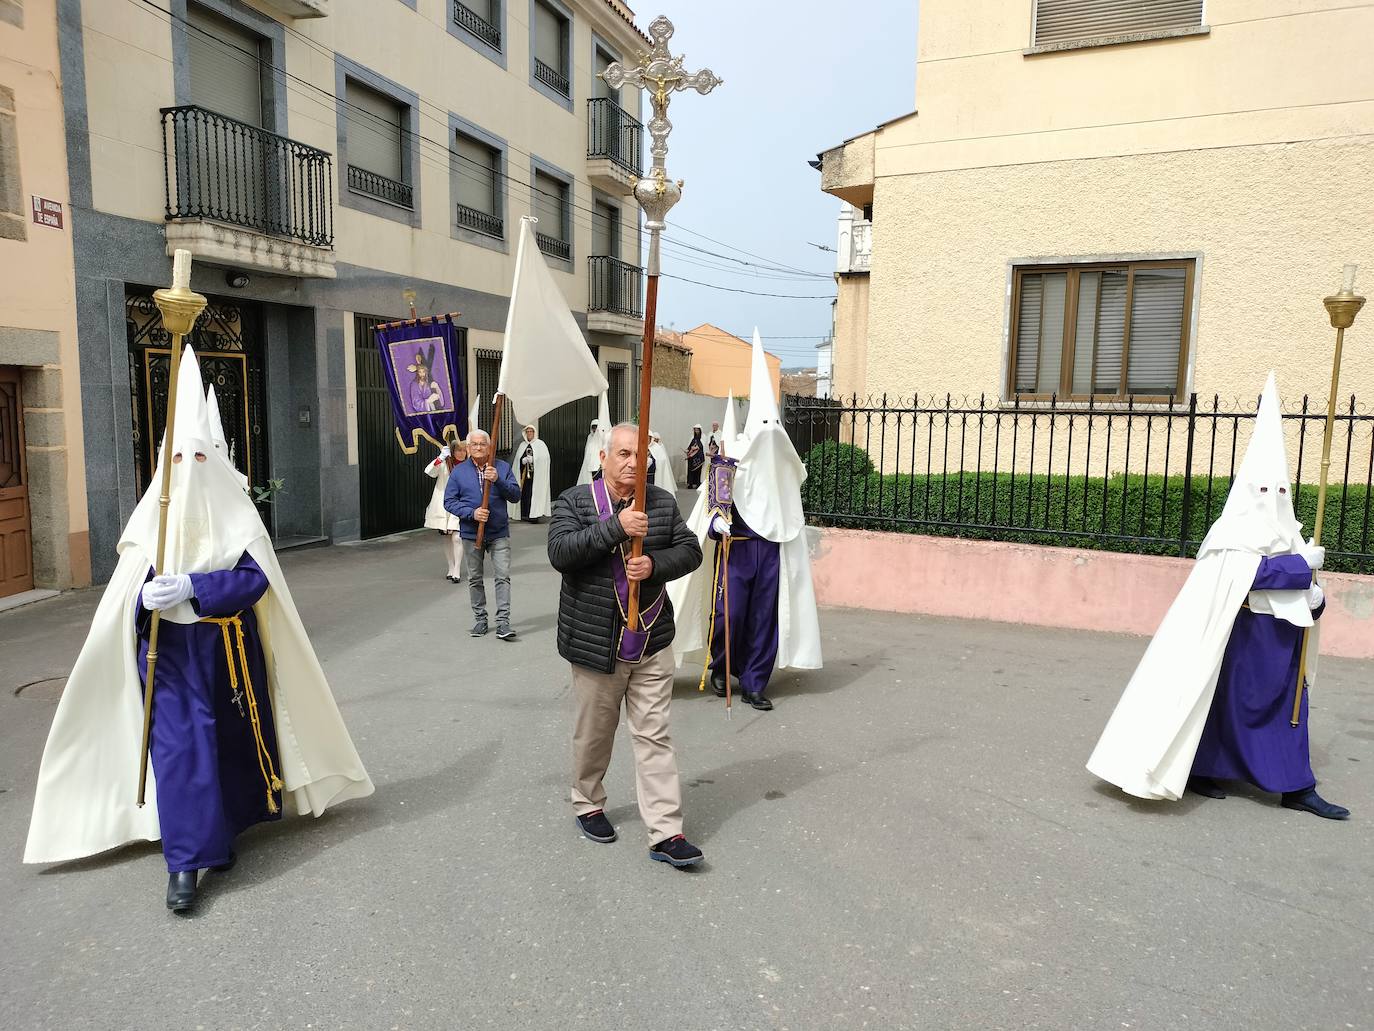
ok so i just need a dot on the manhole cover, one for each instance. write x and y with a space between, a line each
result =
49 690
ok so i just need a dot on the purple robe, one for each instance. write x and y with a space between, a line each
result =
213 776
752 578
1249 735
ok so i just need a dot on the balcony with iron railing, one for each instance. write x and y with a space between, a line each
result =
615 147
552 78
228 184
554 247
615 296
481 221
471 21
380 187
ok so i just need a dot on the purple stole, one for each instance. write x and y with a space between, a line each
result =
632 642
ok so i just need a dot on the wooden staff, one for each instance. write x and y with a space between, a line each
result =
180 308
491 461
1342 307
646 389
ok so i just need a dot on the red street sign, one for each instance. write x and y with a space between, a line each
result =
47 212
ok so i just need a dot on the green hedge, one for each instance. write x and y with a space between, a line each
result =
1112 514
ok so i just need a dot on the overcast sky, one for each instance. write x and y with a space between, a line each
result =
799 77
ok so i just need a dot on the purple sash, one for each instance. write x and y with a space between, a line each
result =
632 642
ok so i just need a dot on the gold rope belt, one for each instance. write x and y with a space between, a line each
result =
269 771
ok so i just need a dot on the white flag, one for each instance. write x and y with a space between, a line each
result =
546 361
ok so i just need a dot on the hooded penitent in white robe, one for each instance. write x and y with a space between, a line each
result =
663 467
596 441
767 494
540 504
217 437
88 779
437 517
1149 744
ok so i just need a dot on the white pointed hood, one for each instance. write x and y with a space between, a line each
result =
770 474
474 411
1258 516
210 520
217 435
603 413
729 427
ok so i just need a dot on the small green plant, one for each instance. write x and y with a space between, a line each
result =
266 495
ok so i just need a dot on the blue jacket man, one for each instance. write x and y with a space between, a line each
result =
463 498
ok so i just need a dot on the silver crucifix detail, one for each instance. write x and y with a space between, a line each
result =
660 74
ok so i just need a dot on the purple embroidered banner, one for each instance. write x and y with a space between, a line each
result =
419 362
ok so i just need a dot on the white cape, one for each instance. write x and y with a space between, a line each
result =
437 517
540 504
663 469
1150 741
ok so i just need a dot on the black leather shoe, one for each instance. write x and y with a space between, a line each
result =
228 864
758 701
1206 787
676 850
595 827
718 685
181 891
1310 802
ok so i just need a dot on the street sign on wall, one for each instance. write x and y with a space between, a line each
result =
47 212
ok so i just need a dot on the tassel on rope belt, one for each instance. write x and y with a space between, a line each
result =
265 764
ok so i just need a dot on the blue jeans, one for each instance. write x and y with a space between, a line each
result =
499 550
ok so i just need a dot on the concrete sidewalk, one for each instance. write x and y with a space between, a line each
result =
909 841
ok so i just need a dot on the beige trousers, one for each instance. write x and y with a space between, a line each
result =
646 688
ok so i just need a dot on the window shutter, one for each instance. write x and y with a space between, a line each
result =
1051 333
1028 334
1088 283
1111 332
1157 302
477 168
1062 21
605 230
374 131
226 71
550 201
548 38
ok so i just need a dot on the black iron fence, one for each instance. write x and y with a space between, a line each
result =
612 132
615 286
552 78
480 221
225 170
1122 477
477 25
380 187
553 246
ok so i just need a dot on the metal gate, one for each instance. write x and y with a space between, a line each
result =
488 375
393 487
228 343
16 535
564 432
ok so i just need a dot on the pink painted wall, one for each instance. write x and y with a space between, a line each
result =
1022 583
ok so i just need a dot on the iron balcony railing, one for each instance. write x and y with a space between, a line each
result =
360 180
1115 476
218 168
615 286
481 28
552 78
481 222
613 133
554 247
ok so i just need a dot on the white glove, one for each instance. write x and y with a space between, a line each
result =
163 592
720 526
445 453
1315 596
1313 554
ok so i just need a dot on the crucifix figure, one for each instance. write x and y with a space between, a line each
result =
660 74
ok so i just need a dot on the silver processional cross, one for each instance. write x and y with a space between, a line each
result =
660 74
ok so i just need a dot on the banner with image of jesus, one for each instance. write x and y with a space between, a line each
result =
419 364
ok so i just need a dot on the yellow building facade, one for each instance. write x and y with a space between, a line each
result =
1213 160
43 535
722 362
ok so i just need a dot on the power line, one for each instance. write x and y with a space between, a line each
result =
755 293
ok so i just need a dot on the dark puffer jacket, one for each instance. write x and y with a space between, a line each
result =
580 547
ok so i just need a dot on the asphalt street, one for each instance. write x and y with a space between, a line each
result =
909 840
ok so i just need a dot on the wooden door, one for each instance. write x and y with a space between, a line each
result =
16 533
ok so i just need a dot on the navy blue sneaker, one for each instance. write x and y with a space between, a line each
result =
595 827
676 850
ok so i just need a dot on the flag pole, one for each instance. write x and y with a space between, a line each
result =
660 74
180 308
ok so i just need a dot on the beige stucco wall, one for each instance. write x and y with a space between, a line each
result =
128 52
849 374
38 308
